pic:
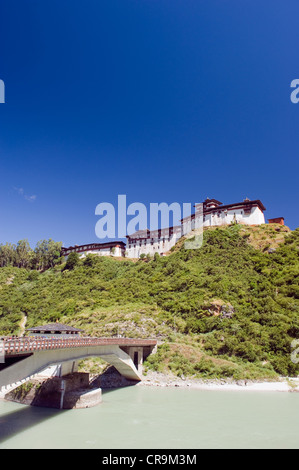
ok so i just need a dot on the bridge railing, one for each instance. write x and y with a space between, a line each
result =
13 346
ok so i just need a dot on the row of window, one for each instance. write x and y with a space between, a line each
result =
146 242
85 248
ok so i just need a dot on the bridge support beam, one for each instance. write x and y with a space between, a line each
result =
60 370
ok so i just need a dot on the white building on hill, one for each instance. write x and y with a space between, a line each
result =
208 214
101 249
215 214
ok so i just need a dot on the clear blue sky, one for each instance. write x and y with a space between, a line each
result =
161 100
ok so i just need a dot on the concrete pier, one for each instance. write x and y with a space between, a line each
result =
68 392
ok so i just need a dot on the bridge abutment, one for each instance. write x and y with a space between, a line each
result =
136 354
67 392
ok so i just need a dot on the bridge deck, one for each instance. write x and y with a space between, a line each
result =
15 346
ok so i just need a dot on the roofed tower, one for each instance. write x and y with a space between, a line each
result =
208 204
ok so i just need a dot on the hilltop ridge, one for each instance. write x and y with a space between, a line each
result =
227 309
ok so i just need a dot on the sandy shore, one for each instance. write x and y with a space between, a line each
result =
161 380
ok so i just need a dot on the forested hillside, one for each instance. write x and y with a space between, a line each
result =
228 309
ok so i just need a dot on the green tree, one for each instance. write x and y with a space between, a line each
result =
7 255
23 254
47 254
72 261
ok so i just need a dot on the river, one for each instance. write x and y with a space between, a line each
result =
158 418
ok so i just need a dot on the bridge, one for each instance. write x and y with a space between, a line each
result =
27 356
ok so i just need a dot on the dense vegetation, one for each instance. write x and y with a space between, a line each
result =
45 255
228 309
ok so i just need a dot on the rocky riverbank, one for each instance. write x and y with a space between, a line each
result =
158 379
112 379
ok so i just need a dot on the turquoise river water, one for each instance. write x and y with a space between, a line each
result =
158 418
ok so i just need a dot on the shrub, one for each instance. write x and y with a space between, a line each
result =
72 261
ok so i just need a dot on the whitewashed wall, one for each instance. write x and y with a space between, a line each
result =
255 217
103 252
150 246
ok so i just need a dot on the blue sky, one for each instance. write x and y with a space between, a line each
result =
161 100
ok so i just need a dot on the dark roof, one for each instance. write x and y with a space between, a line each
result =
155 233
53 327
208 201
246 203
140 234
